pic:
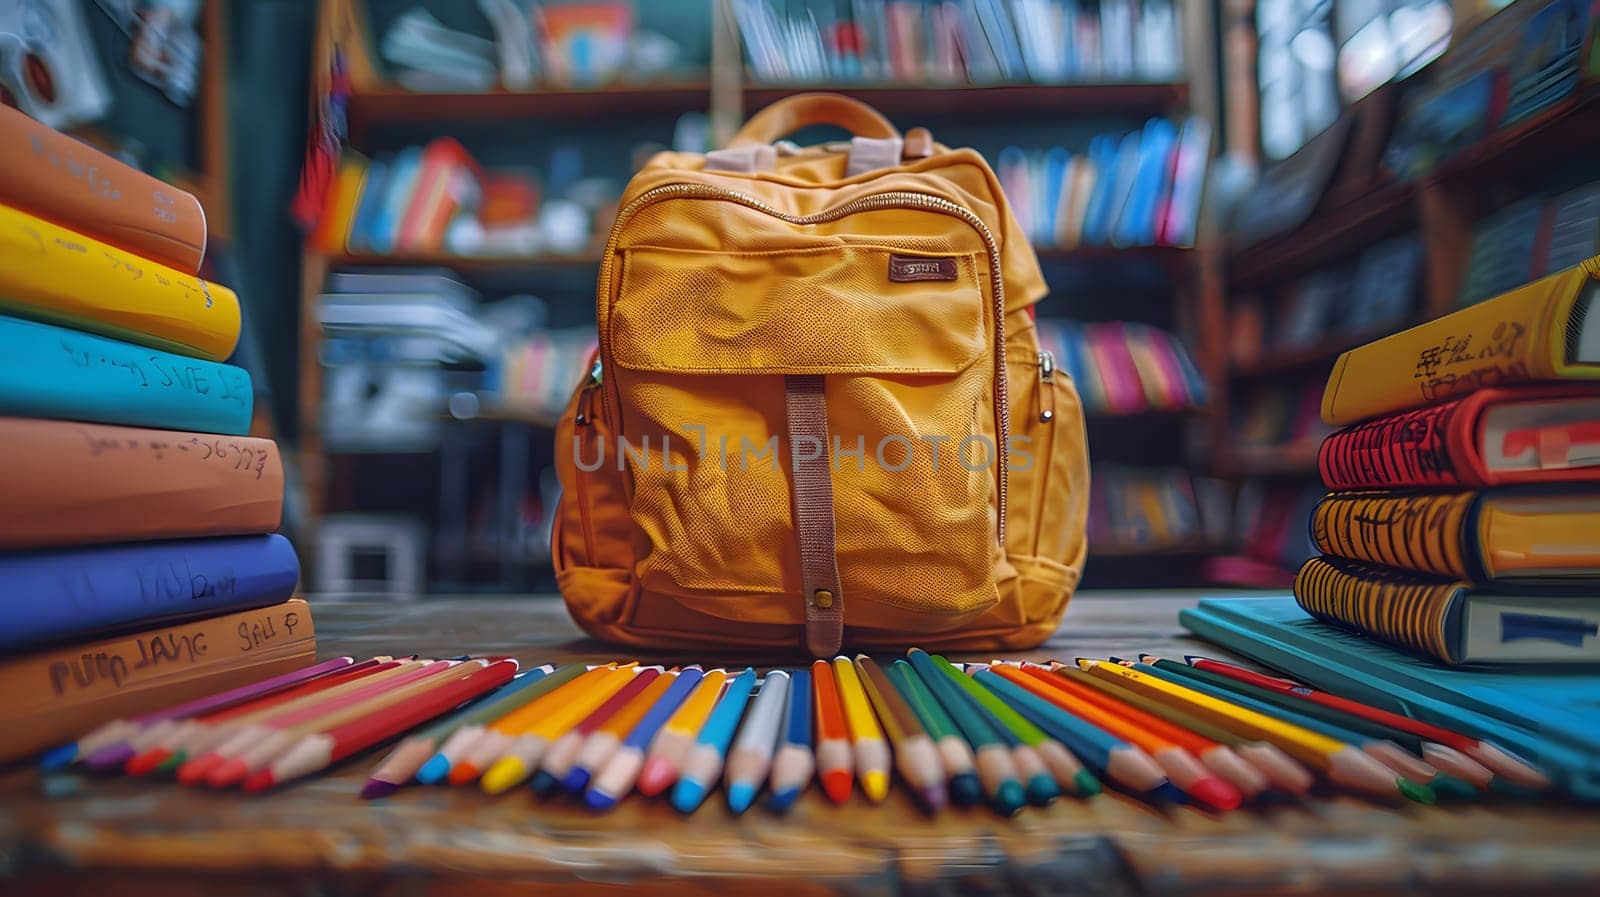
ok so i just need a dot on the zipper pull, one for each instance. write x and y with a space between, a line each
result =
1047 394
586 399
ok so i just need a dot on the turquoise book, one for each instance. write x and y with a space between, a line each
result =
64 374
1550 715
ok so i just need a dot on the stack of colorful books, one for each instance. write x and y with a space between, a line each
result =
138 564
1465 521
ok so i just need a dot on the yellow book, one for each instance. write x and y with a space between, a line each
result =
53 274
1546 330
333 230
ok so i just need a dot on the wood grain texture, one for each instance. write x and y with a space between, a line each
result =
66 834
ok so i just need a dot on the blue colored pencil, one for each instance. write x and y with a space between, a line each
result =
793 767
613 781
703 766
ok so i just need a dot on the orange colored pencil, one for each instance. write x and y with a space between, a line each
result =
835 767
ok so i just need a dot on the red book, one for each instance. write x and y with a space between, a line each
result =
1492 437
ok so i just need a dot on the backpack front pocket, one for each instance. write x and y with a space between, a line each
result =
702 345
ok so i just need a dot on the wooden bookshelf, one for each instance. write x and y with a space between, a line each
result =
1297 459
977 101
1330 235
381 105
1324 351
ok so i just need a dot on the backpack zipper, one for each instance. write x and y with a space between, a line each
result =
584 419
889 200
1047 376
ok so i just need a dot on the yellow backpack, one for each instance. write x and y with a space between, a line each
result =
812 363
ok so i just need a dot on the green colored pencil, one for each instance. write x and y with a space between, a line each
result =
965 789
997 767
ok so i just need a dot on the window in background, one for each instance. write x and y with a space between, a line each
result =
1315 56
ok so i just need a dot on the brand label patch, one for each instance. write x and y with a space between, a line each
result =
912 268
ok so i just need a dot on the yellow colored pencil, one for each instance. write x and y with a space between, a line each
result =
1345 765
522 756
473 753
866 736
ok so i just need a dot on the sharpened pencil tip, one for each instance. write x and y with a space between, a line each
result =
109 758
1214 792
836 783
688 795
1086 784
1452 788
145 763
658 773
596 800
260 781
376 788
542 783
1042 790
58 758
437 767
1172 794
462 773
503 775
781 801
575 780
965 789
1009 798
875 784
1422 794
228 774
740 796
934 797
193 772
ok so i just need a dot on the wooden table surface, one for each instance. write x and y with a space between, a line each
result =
69 834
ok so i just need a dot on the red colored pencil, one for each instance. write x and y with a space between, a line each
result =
172 745
1497 759
323 749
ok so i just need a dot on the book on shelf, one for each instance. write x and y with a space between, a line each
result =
1280 414
972 41
1545 330
1149 508
50 696
1450 621
1491 437
57 177
1124 367
1551 535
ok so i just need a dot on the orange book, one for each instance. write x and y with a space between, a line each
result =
68 483
56 177
52 696
447 181
333 229
1546 330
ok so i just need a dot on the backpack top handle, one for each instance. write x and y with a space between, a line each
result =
802 110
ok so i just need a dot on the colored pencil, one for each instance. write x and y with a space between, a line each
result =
870 751
1115 758
1343 764
664 759
914 754
406 760
1392 755
495 741
795 763
459 732
110 745
995 763
954 752
750 759
1183 769
571 706
258 746
1282 771
164 748
1154 734
601 743
1495 760
835 764
559 758
229 738
317 752
613 781
702 765
1046 764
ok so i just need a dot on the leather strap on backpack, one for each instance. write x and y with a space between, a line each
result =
806 410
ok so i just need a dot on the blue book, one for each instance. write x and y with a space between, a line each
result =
63 374
369 205
398 188
1136 223
1548 715
1104 200
61 596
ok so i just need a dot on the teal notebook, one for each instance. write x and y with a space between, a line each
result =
1549 715
62 374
